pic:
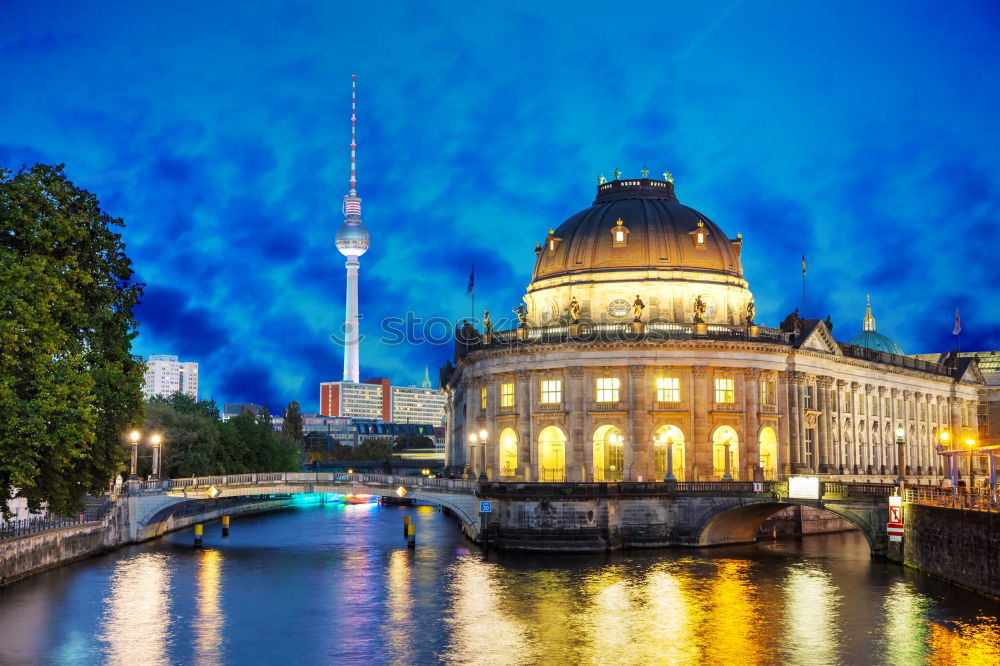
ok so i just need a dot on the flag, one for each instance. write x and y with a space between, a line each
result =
472 280
958 324
803 264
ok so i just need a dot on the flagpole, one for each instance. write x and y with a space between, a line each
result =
803 286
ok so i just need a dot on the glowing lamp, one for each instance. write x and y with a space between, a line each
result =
134 436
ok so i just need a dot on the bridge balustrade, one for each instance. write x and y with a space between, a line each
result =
976 499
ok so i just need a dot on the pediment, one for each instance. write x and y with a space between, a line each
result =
818 338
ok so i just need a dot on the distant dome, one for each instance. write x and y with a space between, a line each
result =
872 339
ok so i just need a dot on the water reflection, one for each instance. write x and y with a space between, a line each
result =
810 617
337 585
135 626
209 621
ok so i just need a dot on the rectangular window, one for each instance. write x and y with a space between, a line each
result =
482 398
767 392
607 389
668 389
807 398
507 395
551 391
874 405
725 391
809 441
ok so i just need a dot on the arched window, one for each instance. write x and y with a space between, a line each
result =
725 440
768 442
668 438
609 454
508 452
552 454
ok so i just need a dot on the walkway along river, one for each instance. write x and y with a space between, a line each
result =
336 584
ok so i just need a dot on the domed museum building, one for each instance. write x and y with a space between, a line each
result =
637 358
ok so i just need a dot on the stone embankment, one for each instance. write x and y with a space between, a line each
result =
34 553
961 546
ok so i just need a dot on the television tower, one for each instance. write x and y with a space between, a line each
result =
352 241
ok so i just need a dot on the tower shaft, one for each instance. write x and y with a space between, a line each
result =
352 356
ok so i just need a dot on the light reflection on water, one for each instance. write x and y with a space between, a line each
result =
338 585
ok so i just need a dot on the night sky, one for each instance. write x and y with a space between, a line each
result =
865 137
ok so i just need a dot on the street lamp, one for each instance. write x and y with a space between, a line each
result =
669 441
480 438
155 440
970 443
900 454
134 437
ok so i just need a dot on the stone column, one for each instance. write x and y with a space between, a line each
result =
527 465
492 408
449 435
845 452
700 455
575 397
823 385
638 452
751 438
795 430
469 423
914 455
782 396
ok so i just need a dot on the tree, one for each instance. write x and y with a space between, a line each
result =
291 427
69 384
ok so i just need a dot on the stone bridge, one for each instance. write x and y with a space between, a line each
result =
609 516
534 516
156 507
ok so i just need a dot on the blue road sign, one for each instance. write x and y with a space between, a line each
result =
486 507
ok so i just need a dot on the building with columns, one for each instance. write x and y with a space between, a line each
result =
638 359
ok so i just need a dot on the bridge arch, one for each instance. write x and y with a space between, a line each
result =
740 523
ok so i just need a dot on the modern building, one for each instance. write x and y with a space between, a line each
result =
231 409
639 359
377 399
166 375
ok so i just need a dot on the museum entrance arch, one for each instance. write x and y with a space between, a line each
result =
725 441
609 454
552 454
665 438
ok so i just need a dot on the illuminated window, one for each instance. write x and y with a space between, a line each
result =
699 235
482 398
607 389
767 392
507 395
551 391
619 234
668 389
725 391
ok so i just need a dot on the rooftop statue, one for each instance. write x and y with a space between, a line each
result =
637 307
792 323
699 310
751 313
574 310
487 322
522 314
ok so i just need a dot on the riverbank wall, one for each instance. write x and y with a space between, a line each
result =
34 553
958 545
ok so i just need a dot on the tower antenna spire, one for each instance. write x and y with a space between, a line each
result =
354 143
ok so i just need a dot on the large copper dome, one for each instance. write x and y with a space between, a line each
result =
638 241
662 234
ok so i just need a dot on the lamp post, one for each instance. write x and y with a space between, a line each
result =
944 437
480 438
727 476
669 441
900 454
134 438
971 443
155 440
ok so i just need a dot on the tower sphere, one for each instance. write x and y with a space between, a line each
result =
352 239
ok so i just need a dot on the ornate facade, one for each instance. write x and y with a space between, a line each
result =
658 368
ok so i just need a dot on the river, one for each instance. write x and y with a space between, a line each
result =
335 584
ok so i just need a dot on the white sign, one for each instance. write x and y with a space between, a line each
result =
486 507
758 487
803 487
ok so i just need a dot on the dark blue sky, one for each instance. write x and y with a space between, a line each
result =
864 136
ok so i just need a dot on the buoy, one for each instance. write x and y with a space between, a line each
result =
198 530
225 526
411 536
406 526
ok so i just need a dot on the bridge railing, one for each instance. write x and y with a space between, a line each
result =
975 499
283 478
